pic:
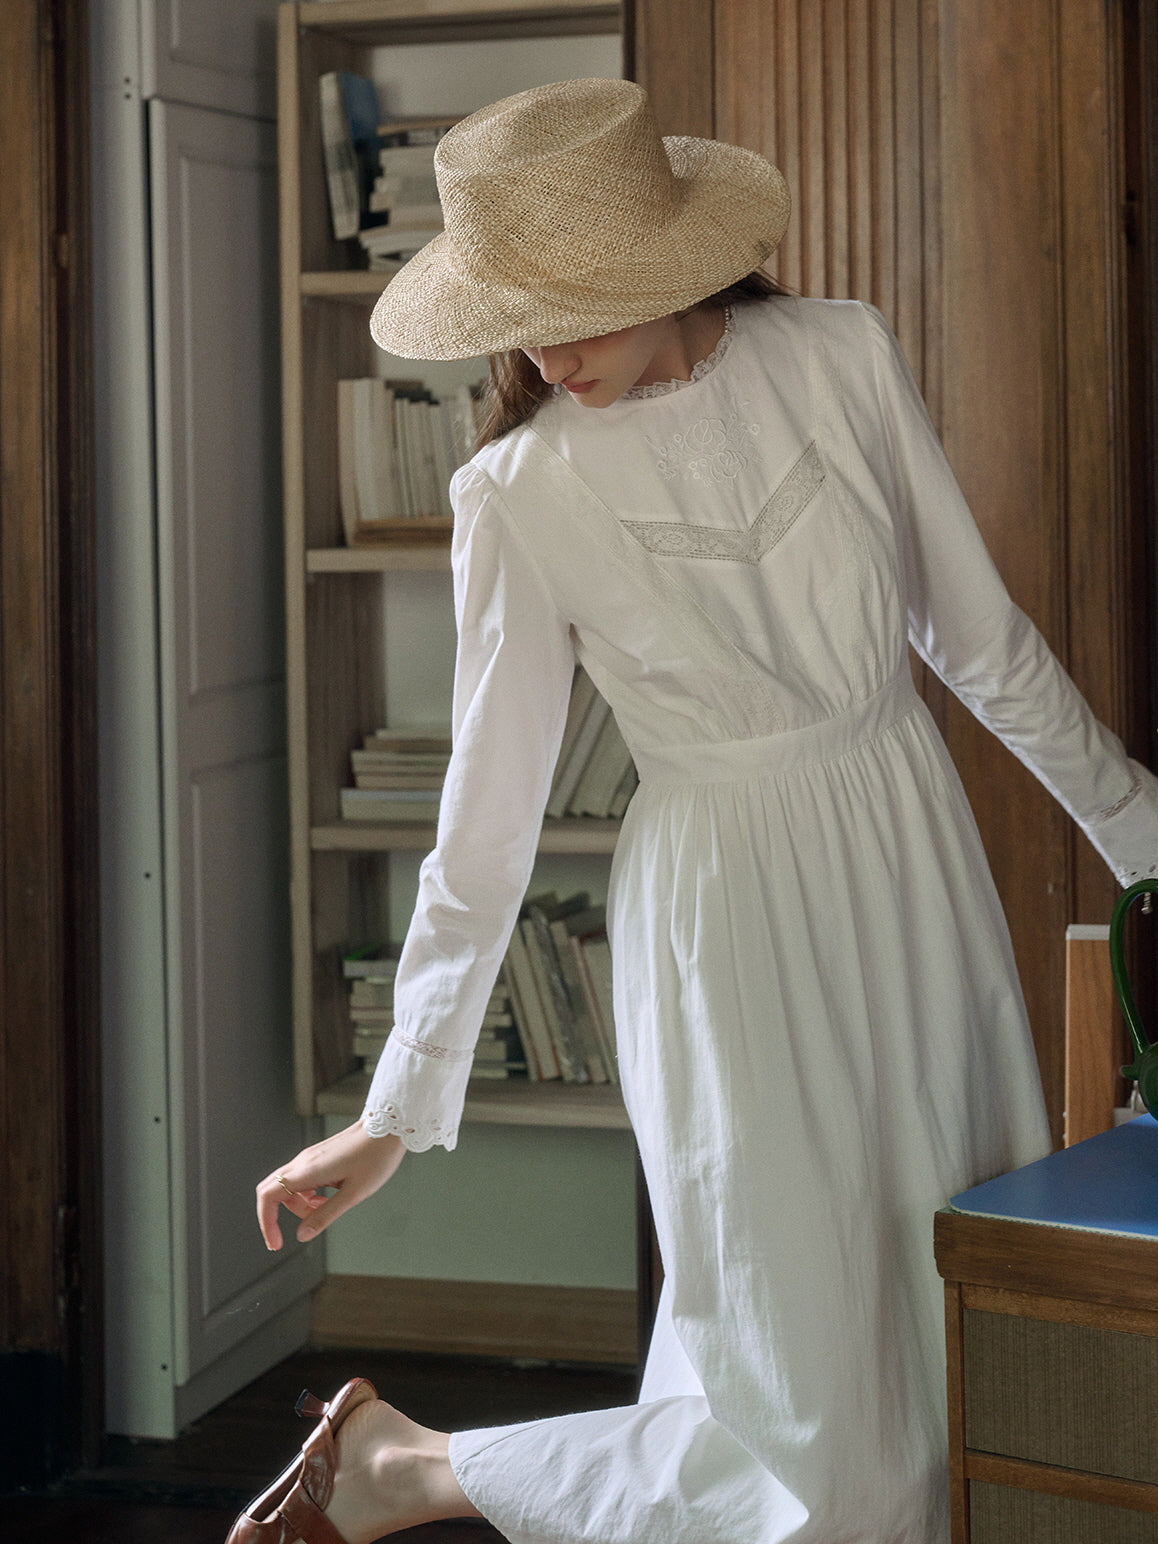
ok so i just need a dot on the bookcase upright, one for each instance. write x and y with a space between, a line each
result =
335 595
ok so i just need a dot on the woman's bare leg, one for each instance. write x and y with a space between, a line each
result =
392 1474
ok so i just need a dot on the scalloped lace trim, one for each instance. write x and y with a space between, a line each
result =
699 370
418 1137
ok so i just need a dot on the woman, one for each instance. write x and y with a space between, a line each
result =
730 506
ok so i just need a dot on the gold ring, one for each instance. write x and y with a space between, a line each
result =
281 1181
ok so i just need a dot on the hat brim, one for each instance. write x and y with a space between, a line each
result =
731 217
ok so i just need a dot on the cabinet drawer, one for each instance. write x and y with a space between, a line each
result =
1064 1394
1001 1515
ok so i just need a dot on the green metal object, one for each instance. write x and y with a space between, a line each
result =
1144 1071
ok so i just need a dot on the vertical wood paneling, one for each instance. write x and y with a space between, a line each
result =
1098 583
836 95
668 50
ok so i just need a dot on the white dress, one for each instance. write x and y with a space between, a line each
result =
821 1034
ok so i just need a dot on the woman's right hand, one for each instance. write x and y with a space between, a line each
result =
351 1163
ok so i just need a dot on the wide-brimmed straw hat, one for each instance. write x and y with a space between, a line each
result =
567 217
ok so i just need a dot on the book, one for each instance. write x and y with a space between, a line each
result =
463 422
529 1014
348 110
398 448
605 769
386 780
426 130
366 992
594 954
373 964
406 160
396 805
622 797
373 494
347 455
582 696
558 1009
568 773
583 1010
386 241
399 742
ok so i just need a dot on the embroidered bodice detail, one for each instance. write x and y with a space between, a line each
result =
713 450
704 367
773 522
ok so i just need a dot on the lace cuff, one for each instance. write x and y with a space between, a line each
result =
417 1092
1126 834
389 1121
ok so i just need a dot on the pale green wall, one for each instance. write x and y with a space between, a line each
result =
541 1205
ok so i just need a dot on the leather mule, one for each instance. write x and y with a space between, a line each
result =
292 1508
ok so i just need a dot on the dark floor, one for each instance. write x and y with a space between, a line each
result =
190 1490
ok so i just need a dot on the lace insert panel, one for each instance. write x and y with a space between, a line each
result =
773 522
435 1052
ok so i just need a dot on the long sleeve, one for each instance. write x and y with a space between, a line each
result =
513 675
965 626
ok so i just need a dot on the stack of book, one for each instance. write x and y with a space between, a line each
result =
498 1054
595 774
397 778
404 191
379 176
558 974
370 973
549 1017
398 448
350 143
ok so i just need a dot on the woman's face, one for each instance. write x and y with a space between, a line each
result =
596 371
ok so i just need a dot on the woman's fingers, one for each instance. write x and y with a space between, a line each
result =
272 1194
350 1163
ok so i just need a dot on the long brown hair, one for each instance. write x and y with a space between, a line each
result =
515 390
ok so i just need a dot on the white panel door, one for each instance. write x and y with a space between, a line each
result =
211 53
223 719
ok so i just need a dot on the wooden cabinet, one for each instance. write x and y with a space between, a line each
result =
342 603
1051 1281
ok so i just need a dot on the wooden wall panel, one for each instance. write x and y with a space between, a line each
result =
1033 413
668 49
842 96
1002 428
958 163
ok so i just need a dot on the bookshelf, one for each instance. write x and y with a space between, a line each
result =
339 599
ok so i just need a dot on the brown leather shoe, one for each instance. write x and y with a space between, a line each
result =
292 1507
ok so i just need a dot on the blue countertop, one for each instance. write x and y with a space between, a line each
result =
1107 1184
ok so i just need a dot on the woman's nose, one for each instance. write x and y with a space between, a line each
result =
556 362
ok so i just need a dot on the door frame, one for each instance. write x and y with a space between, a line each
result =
51 1309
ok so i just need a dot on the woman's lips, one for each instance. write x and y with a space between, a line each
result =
578 387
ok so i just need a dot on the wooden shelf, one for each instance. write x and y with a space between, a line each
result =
577 835
392 557
359 284
362 21
516 1103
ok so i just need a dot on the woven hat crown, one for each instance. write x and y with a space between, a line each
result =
574 173
568 216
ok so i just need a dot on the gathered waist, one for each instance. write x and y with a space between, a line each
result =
774 754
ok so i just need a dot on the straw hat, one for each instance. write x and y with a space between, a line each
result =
567 216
